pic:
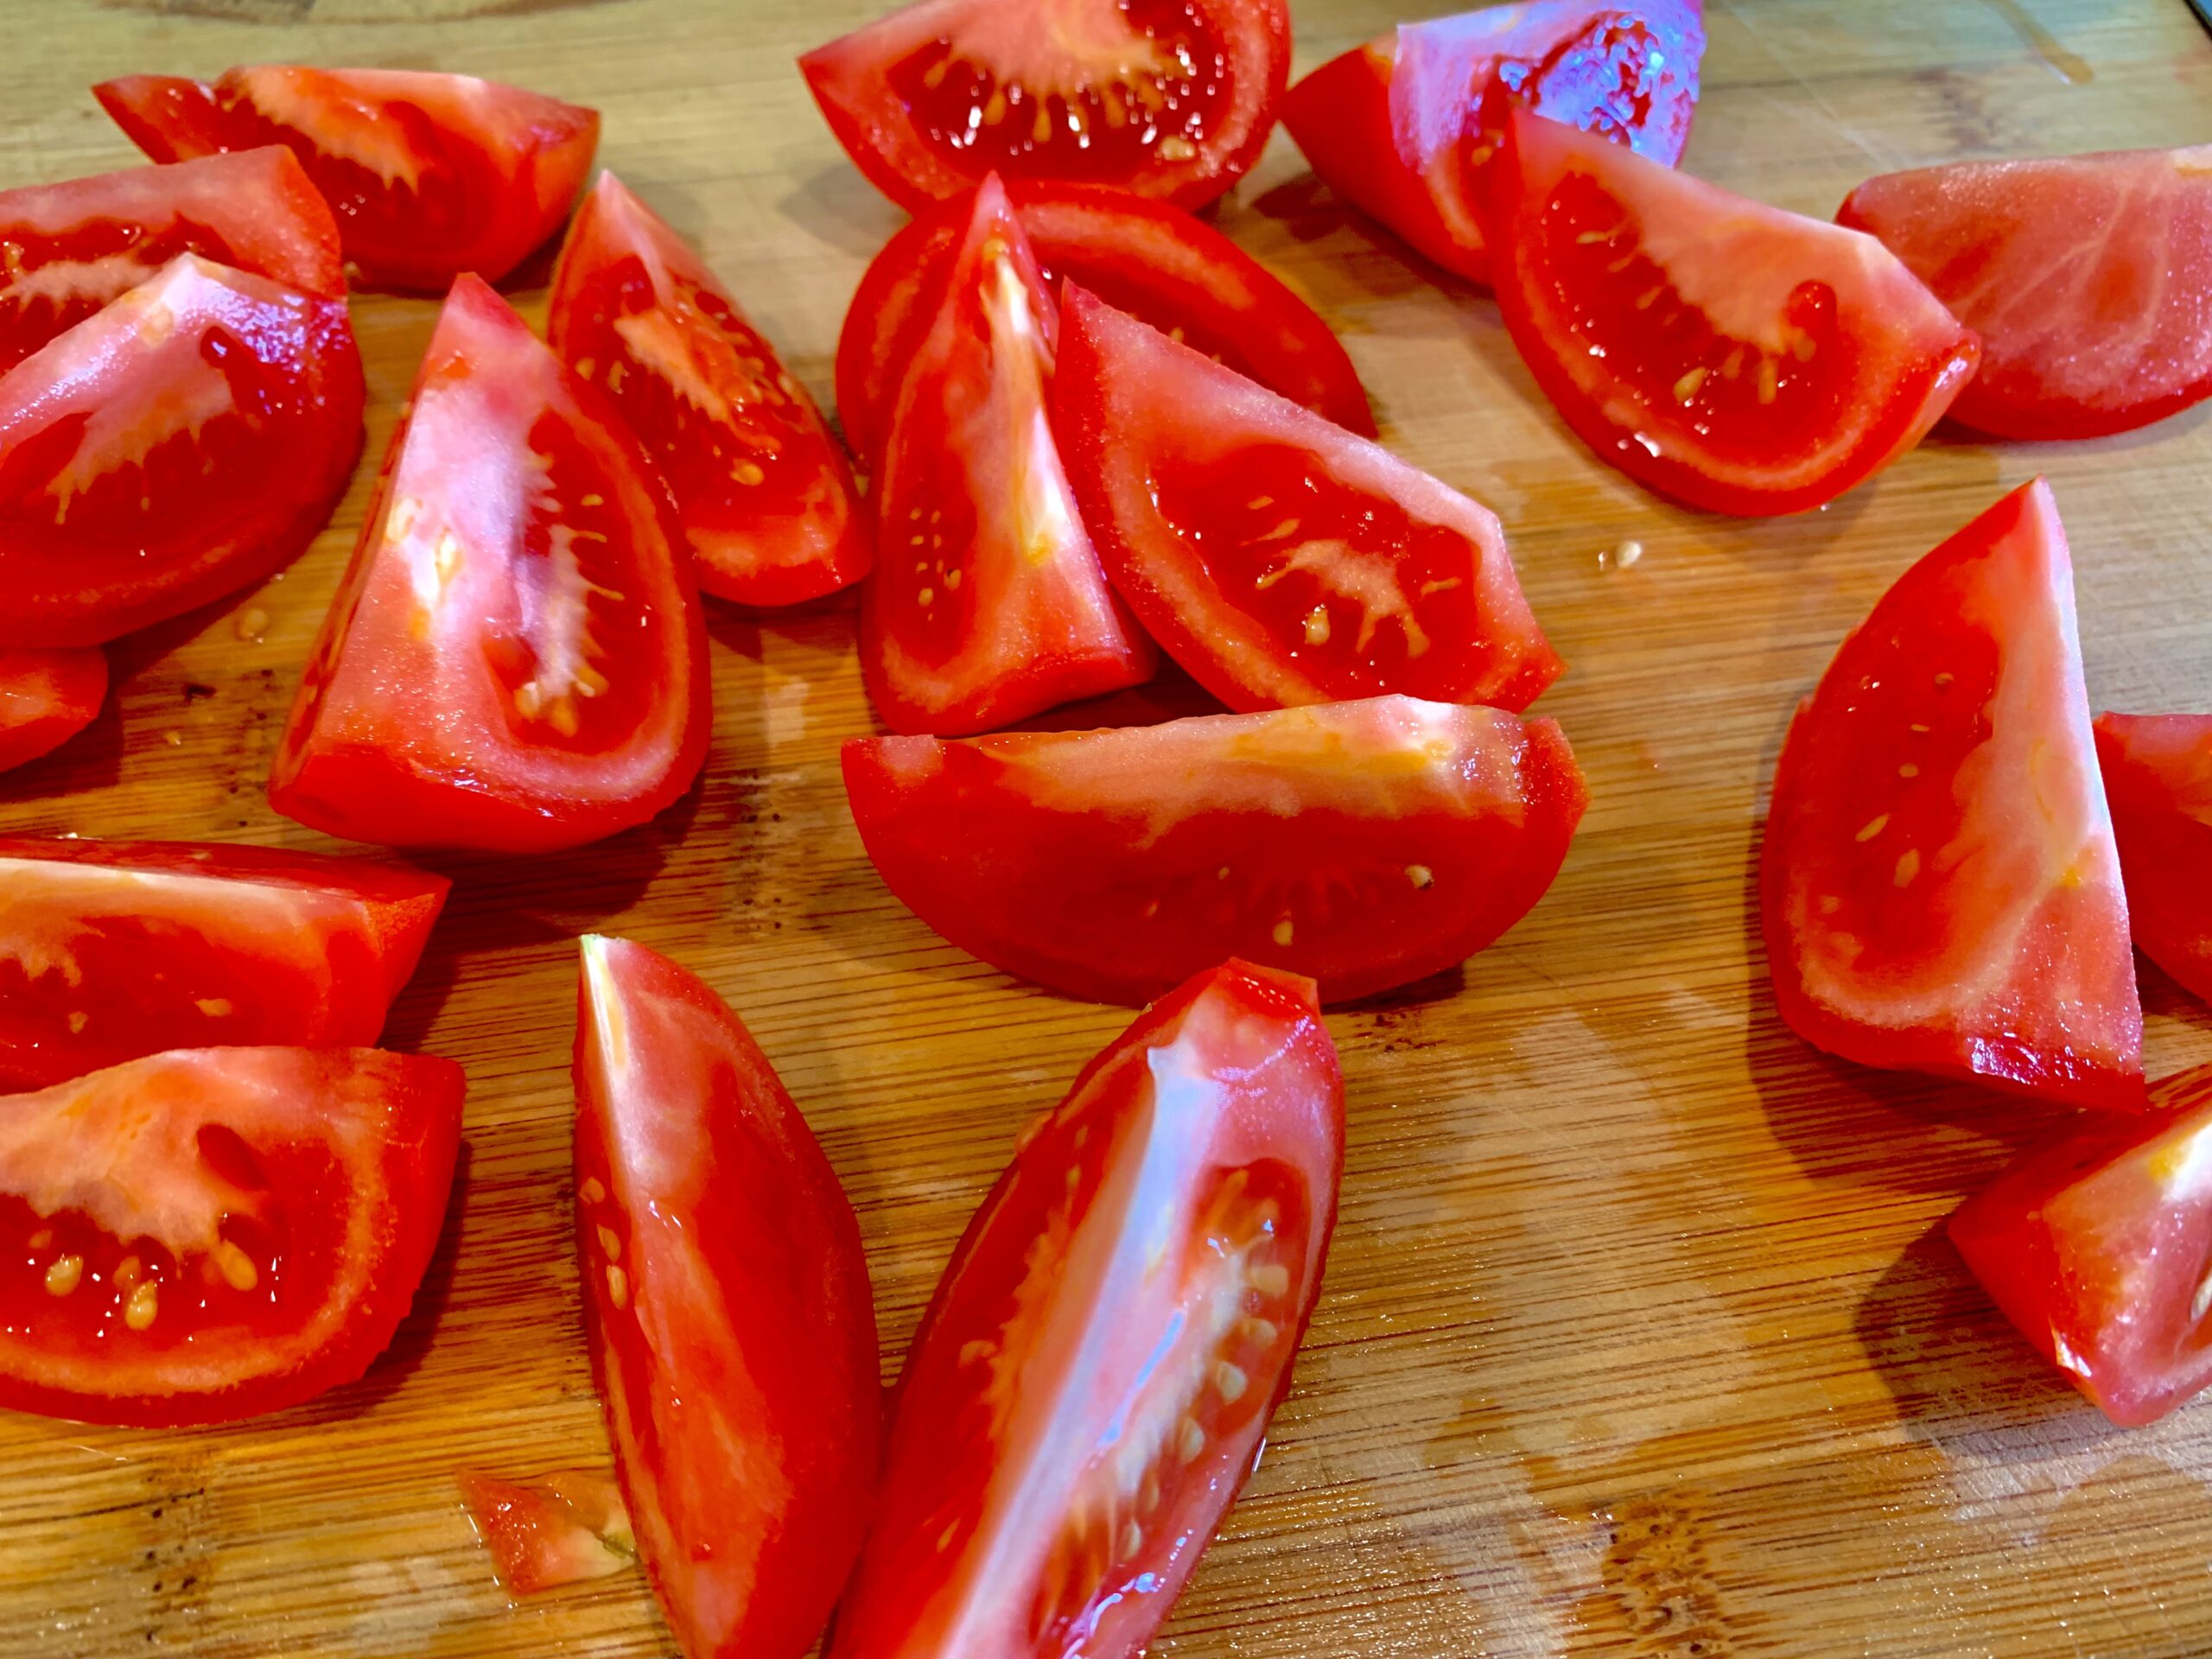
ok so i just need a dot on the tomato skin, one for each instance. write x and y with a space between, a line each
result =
1828 359
46 697
1940 885
429 174
2157 777
518 529
725 1297
2087 277
1099 863
354 1151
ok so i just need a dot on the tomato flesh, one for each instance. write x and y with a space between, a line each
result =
1170 99
1731 355
46 697
2157 777
208 1234
429 174
1941 888
568 1527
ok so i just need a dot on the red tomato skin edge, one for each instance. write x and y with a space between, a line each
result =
153 110
78 679
2165 853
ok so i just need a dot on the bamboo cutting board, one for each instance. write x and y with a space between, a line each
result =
1640 1337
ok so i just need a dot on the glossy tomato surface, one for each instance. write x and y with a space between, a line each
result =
186 441
2087 277
71 248
2158 776
429 174
1172 99
110 949
767 499
208 1234
46 697
1361 844
987 603
1940 885
1091 1382
1148 258
1405 126
732 1334
2095 1246
1279 558
566 1528
1732 355
516 659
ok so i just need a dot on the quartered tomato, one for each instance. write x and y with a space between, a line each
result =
765 498
1405 126
726 1301
1279 558
110 950
1362 844
186 441
1940 885
1732 355
429 174
1091 1382
46 697
2088 278
2096 1245
211 1233
564 1529
68 248
516 659
1172 99
2158 776
987 603
1153 260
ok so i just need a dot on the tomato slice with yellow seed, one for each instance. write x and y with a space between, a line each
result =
208 1234
516 659
1092 1383
46 697
2158 776
1172 99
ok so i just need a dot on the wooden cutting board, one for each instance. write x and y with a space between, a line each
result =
1640 1337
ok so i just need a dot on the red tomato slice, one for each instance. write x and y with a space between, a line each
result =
1153 260
429 174
1940 885
1280 559
187 441
1172 99
46 697
765 498
72 248
2088 278
1732 355
1361 844
516 659
1405 126
212 1233
2095 1246
566 1528
727 1300
110 949
1092 1380
987 603
2158 776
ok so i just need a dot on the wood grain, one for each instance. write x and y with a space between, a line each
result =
1638 1339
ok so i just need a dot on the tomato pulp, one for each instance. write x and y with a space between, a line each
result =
46 697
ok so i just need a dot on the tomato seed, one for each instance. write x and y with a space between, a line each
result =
1270 1279
1229 1381
145 1302
236 1266
62 1277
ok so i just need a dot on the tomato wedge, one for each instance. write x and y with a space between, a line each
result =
516 659
111 949
46 697
1361 844
186 441
1093 1378
429 174
566 1528
1172 99
1940 884
1152 260
987 603
73 247
2096 1246
2158 776
1405 127
766 500
1279 558
1731 355
2088 278
726 1301
212 1233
